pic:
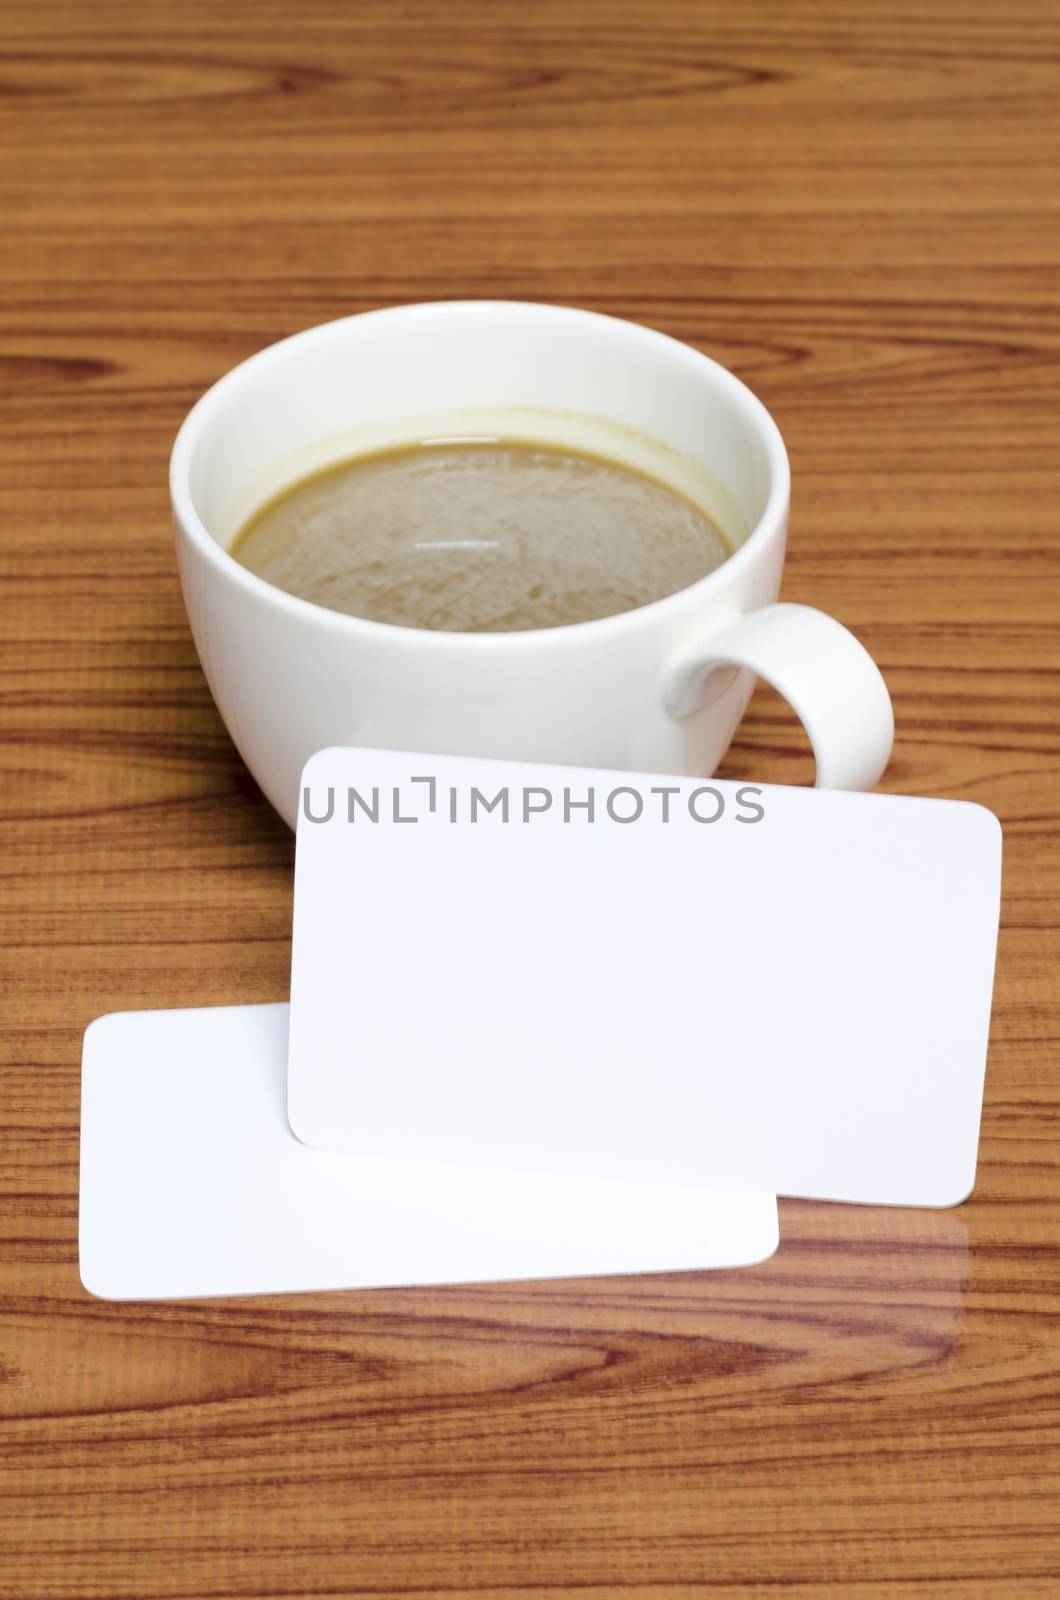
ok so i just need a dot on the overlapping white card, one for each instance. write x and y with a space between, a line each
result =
611 977
193 1184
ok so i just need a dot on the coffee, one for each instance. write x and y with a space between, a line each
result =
476 536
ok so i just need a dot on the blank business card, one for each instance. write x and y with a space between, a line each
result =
193 1184
613 977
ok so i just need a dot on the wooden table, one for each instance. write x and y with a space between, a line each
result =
856 208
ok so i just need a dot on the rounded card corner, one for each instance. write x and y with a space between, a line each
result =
325 751
91 1281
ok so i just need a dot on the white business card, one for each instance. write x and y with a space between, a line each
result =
192 1184
613 977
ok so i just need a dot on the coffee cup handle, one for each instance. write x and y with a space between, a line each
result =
827 677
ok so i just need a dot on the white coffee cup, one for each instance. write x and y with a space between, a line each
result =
657 689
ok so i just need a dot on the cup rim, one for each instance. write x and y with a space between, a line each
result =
225 564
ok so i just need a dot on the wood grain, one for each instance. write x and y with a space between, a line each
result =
856 207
